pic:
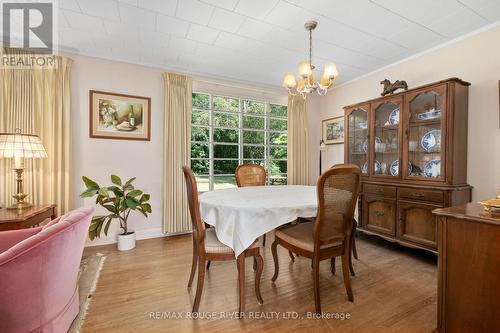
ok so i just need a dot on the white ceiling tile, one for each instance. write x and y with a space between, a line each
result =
458 23
489 9
183 45
254 29
130 2
82 21
121 30
107 9
382 49
226 20
194 11
226 4
287 15
288 39
172 25
416 38
202 34
166 7
153 39
230 41
137 16
255 8
340 34
69 4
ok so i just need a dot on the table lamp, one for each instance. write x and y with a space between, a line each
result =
20 146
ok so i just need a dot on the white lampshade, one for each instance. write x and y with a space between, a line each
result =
17 145
325 81
289 80
331 70
305 69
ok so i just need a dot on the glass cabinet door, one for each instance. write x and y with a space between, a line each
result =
426 117
357 152
386 138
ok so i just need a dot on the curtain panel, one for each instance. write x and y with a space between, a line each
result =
298 141
38 101
177 152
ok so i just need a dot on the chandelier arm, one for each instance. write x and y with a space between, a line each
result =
310 49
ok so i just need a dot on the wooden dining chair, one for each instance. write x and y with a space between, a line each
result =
330 235
208 247
251 175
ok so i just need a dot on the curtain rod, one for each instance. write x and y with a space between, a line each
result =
272 91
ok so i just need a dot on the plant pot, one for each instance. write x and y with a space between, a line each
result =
126 241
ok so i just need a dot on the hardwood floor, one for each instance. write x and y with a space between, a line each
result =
394 291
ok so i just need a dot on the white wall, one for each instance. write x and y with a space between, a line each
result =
99 158
475 59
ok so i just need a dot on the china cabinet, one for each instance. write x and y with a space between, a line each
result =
412 150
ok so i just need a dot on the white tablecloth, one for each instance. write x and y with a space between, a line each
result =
241 215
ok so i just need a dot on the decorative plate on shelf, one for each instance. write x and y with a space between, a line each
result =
364 169
378 167
365 144
430 114
362 125
432 169
431 141
394 168
394 117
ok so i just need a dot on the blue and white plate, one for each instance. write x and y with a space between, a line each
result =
394 168
365 144
378 167
432 169
364 169
431 141
394 117
431 114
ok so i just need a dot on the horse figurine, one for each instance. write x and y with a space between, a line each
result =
389 87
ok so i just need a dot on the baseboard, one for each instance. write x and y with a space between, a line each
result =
140 234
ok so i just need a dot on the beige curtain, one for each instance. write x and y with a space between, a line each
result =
177 151
298 141
37 101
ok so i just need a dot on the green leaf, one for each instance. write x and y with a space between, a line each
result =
116 180
146 207
99 228
111 208
103 191
142 211
106 228
88 193
144 198
134 193
116 190
90 183
129 181
132 203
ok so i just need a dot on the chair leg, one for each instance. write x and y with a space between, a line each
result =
193 264
264 240
345 272
208 264
354 249
317 301
290 253
351 267
332 265
275 258
241 281
258 275
199 286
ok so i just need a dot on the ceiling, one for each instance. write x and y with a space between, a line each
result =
258 40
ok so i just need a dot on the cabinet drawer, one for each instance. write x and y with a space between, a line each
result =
388 191
421 195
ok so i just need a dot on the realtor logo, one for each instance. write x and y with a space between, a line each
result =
28 25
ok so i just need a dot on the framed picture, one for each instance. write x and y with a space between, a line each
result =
119 116
333 130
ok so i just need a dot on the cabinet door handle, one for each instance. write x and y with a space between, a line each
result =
379 190
379 213
401 220
418 195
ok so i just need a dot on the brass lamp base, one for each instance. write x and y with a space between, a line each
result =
19 196
20 205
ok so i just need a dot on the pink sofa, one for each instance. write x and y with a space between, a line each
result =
39 273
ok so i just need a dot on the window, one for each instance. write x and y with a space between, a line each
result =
228 131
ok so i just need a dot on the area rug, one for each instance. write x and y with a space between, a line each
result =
90 269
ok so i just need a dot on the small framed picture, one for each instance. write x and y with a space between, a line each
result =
333 130
119 116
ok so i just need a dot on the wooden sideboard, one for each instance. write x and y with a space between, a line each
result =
412 150
11 219
469 269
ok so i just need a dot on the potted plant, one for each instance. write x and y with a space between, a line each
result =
119 199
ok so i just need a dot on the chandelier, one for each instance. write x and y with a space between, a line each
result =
306 84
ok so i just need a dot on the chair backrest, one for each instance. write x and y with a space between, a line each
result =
194 208
338 190
250 175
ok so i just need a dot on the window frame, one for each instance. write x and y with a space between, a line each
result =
267 159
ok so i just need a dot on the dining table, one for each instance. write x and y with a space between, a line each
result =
243 214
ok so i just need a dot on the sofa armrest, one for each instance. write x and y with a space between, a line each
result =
10 238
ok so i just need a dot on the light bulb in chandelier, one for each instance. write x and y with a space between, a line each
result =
305 69
331 70
289 81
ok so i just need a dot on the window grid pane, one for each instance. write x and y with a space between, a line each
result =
228 131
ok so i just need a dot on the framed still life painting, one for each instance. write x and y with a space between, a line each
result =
119 116
333 130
